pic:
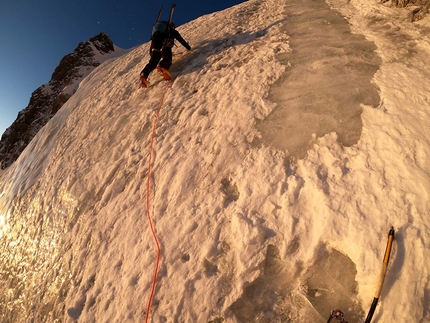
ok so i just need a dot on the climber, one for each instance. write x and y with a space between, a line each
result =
162 41
338 315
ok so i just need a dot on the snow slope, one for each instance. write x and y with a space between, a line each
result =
249 232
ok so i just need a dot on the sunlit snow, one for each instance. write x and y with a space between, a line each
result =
257 222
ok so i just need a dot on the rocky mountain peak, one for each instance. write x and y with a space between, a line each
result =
49 98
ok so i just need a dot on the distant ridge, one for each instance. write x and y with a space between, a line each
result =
49 98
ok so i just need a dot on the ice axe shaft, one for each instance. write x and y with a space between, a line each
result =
382 275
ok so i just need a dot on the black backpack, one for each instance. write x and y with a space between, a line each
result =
161 27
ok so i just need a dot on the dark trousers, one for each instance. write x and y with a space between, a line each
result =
160 55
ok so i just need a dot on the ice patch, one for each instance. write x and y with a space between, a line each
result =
328 77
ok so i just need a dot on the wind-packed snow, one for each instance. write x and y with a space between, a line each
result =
255 222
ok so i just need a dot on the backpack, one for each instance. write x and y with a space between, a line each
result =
161 27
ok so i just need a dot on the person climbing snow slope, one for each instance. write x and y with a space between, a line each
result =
163 39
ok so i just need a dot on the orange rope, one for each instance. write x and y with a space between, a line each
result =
148 185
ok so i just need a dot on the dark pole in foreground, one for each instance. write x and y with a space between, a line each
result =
382 276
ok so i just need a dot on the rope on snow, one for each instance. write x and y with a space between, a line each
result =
148 186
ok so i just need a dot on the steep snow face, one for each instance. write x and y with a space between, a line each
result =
247 234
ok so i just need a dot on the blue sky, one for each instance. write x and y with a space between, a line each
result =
35 35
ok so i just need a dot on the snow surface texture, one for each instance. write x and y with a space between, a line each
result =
250 232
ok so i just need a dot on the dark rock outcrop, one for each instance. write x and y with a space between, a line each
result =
49 98
420 8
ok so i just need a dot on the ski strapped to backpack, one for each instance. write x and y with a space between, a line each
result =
172 9
159 14
163 26
338 314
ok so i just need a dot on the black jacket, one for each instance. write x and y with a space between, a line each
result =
161 40
170 39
